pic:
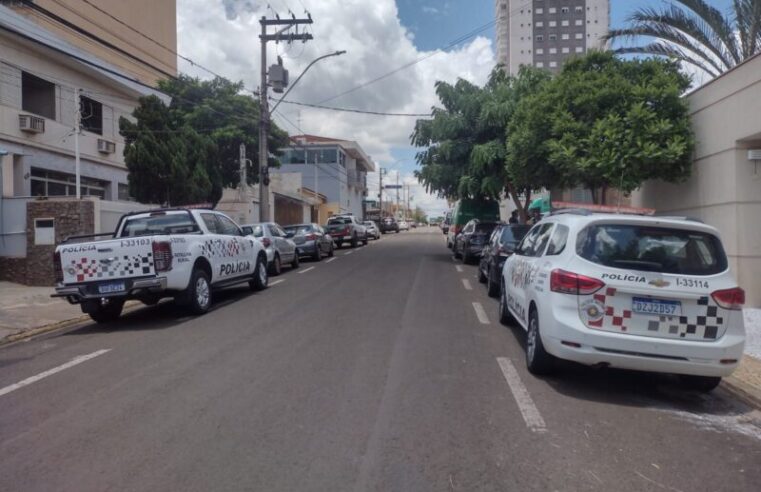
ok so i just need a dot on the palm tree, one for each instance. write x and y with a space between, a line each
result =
694 32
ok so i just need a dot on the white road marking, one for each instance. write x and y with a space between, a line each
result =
481 314
348 252
331 259
531 415
466 284
73 362
458 268
306 270
277 282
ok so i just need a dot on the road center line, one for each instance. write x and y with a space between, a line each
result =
279 281
458 268
481 314
306 270
466 284
330 259
348 253
531 415
73 362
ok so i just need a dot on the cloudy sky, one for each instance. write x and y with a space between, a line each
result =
379 36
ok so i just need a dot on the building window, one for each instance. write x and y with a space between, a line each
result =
540 51
540 64
553 24
579 49
92 115
553 51
540 24
578 9
54 183
539 11
539 37
553 10
37 95
553 37
564 10
553 64
124 193
565 36
564 23
578 22
566 49
579 35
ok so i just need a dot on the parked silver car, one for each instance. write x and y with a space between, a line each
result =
280 249
311 240
373 230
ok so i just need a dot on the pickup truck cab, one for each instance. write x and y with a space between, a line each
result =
346 228
177 253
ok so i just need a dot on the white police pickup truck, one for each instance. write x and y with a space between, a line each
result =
177 253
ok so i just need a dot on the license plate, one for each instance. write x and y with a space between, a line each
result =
644 305
111 287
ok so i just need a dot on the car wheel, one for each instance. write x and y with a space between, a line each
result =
276 268
504 313
105 310
481 276
538 361
700 383
198 294
467 259
261 277
331 252
317 256
492 287
295 262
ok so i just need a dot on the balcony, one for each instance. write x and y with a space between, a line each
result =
356 179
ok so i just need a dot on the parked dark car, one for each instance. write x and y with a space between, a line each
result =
389 224
502 243
311 240
469 244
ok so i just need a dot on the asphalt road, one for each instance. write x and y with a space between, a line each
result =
375 371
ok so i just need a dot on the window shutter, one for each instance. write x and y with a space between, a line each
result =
10 86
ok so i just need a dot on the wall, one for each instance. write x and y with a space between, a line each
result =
725 188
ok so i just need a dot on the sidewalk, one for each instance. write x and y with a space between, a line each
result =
745 383
24 308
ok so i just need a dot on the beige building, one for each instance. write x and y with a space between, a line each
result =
725 188
114 22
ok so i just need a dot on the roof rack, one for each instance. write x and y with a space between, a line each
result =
571 211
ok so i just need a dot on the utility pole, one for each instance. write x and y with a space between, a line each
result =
316 184
397 192
380 192
77 129
264 113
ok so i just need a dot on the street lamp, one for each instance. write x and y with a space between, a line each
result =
335 53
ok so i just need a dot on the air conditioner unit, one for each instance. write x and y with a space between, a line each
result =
31 124
106 147
754 154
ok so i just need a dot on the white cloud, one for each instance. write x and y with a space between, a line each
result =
223 36
427 9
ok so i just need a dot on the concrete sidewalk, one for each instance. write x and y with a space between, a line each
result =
24 308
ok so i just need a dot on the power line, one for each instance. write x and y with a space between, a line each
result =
351 110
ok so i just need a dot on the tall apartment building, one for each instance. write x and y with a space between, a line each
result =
544 33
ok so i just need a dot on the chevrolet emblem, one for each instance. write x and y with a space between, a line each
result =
659 283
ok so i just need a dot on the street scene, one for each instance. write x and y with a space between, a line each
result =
388 245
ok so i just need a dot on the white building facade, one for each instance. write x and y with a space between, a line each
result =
544 33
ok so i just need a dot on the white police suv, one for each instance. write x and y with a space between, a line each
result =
633 292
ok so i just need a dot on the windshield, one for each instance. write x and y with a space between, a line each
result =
653 249
485 228
513 235
161 223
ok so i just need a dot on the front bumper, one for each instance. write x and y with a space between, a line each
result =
639 353
78 293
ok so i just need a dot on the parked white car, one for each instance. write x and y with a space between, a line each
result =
633 292
281 250
161 253
404 225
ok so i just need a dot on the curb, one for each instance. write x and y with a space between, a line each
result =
57 326
743 391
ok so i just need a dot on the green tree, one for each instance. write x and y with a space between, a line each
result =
187 152
615 122
694 32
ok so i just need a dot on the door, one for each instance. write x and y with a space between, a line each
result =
212 245
522 271
282 244
238 249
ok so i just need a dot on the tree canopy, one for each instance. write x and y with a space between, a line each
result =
188 152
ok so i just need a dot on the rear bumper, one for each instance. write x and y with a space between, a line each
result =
78 293
308 248
643 353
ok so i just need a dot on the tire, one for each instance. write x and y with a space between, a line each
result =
538 361
466 258
703 384
354 241
198 294
261 277
317 256
105 310
481 276
492 287
504 313
456 254
331 252
277 267
295 262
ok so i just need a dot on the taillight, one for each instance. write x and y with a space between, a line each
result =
573 283
347 231
266 242
162 256
310 237
58 267
729 298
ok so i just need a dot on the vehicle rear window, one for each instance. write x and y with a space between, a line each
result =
339 221
652 249
296 230
485 227
258 231
514 234
175 223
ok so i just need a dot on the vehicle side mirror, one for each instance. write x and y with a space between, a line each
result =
247 230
